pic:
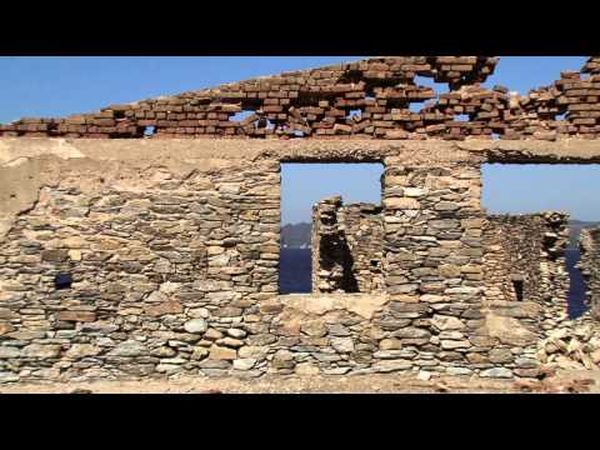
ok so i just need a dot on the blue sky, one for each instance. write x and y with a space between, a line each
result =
538 187
302 185
59 86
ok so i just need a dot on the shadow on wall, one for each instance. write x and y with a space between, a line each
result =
335 257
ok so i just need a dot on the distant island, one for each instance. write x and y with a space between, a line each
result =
296 235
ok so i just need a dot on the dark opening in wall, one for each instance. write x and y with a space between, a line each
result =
63 281
518 189
302 186
518 283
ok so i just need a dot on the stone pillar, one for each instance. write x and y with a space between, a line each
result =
347 247
330 255
433 223
362 225
433 265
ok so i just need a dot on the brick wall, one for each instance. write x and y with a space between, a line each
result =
371 98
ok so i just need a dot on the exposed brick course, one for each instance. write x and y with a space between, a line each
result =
368 98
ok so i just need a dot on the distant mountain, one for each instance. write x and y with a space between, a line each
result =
296 235
575 227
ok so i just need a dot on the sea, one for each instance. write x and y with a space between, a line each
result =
296 265
576 298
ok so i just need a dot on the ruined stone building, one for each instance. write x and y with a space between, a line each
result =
143 239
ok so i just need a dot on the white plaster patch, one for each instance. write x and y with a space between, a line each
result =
15 155
16 162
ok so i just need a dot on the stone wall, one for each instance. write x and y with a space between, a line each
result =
165 268
174 263
590 267
537 331
433 264
433 226
173 250
526 283
526 253
347 247
371 98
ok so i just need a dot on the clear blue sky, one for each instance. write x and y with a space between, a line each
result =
538 187
59 86
302 185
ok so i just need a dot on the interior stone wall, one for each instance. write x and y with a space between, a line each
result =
527 249
347 247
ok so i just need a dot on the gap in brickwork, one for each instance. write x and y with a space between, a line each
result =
438 88
241 116
149 131
354 113
304 185
562 116
523 189
415 107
